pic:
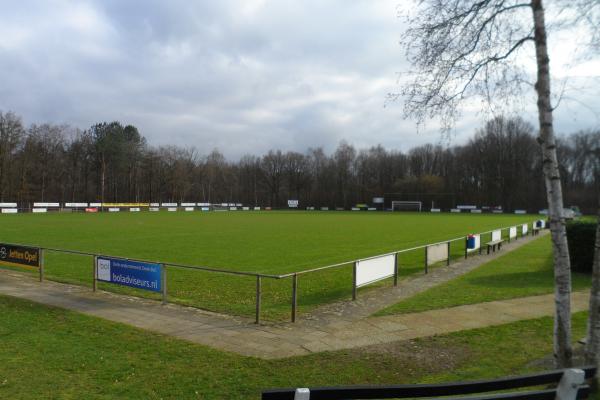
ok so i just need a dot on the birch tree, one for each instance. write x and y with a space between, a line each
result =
464 52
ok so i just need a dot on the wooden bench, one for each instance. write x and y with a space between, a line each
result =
568 384
492 245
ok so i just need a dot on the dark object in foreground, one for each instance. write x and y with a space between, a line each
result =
570 385
581 236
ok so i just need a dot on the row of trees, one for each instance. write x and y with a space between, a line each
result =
500 165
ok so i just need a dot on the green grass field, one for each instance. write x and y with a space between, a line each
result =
265 242
50 353
527 271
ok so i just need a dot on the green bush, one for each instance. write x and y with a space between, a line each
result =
581 236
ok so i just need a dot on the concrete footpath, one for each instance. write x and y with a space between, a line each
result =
333 327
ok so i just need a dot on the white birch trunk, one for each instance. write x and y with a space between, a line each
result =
562 267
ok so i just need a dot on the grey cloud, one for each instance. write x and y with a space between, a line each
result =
241 76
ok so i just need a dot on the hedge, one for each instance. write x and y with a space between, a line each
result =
581 236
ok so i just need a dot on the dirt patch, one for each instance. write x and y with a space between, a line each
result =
431 355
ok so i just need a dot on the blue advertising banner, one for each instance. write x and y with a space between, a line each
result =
136 274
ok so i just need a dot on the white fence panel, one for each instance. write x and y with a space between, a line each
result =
76 205
437 253
512 232
45 205
9 211
375 269
496 235
114 209
39 210
524 229
477 243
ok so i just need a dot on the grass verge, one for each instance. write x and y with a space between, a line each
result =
527 271
50 353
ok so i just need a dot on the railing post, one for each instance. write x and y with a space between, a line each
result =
448 261
41 268
294 296
164 283
426 261
395 269
258 290
354 265
94 273
466 247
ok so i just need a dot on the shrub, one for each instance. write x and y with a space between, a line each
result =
581 236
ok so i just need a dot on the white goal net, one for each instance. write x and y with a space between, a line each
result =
398 205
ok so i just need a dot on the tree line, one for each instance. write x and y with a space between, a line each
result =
111 162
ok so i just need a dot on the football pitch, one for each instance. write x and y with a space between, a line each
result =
275 242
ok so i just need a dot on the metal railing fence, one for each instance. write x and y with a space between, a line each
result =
294 276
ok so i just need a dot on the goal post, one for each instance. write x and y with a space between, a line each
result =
401 205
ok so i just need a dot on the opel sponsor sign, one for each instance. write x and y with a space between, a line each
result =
19 255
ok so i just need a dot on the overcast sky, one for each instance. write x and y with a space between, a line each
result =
241 76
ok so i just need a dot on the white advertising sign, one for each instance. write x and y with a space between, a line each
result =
437 253
205 208
154 204
476 211
189 209
172 209
76 205
46 205
233 208
188 204
203 204
377 200
293 203
512 232
466 207
455 210
114 209
436 210
246 208
169 204
355 209
256 208
39 210
8 205
524 229
134 209
520 212
374 269
324 208
9 211
95 204
477 243
496 235
153 209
